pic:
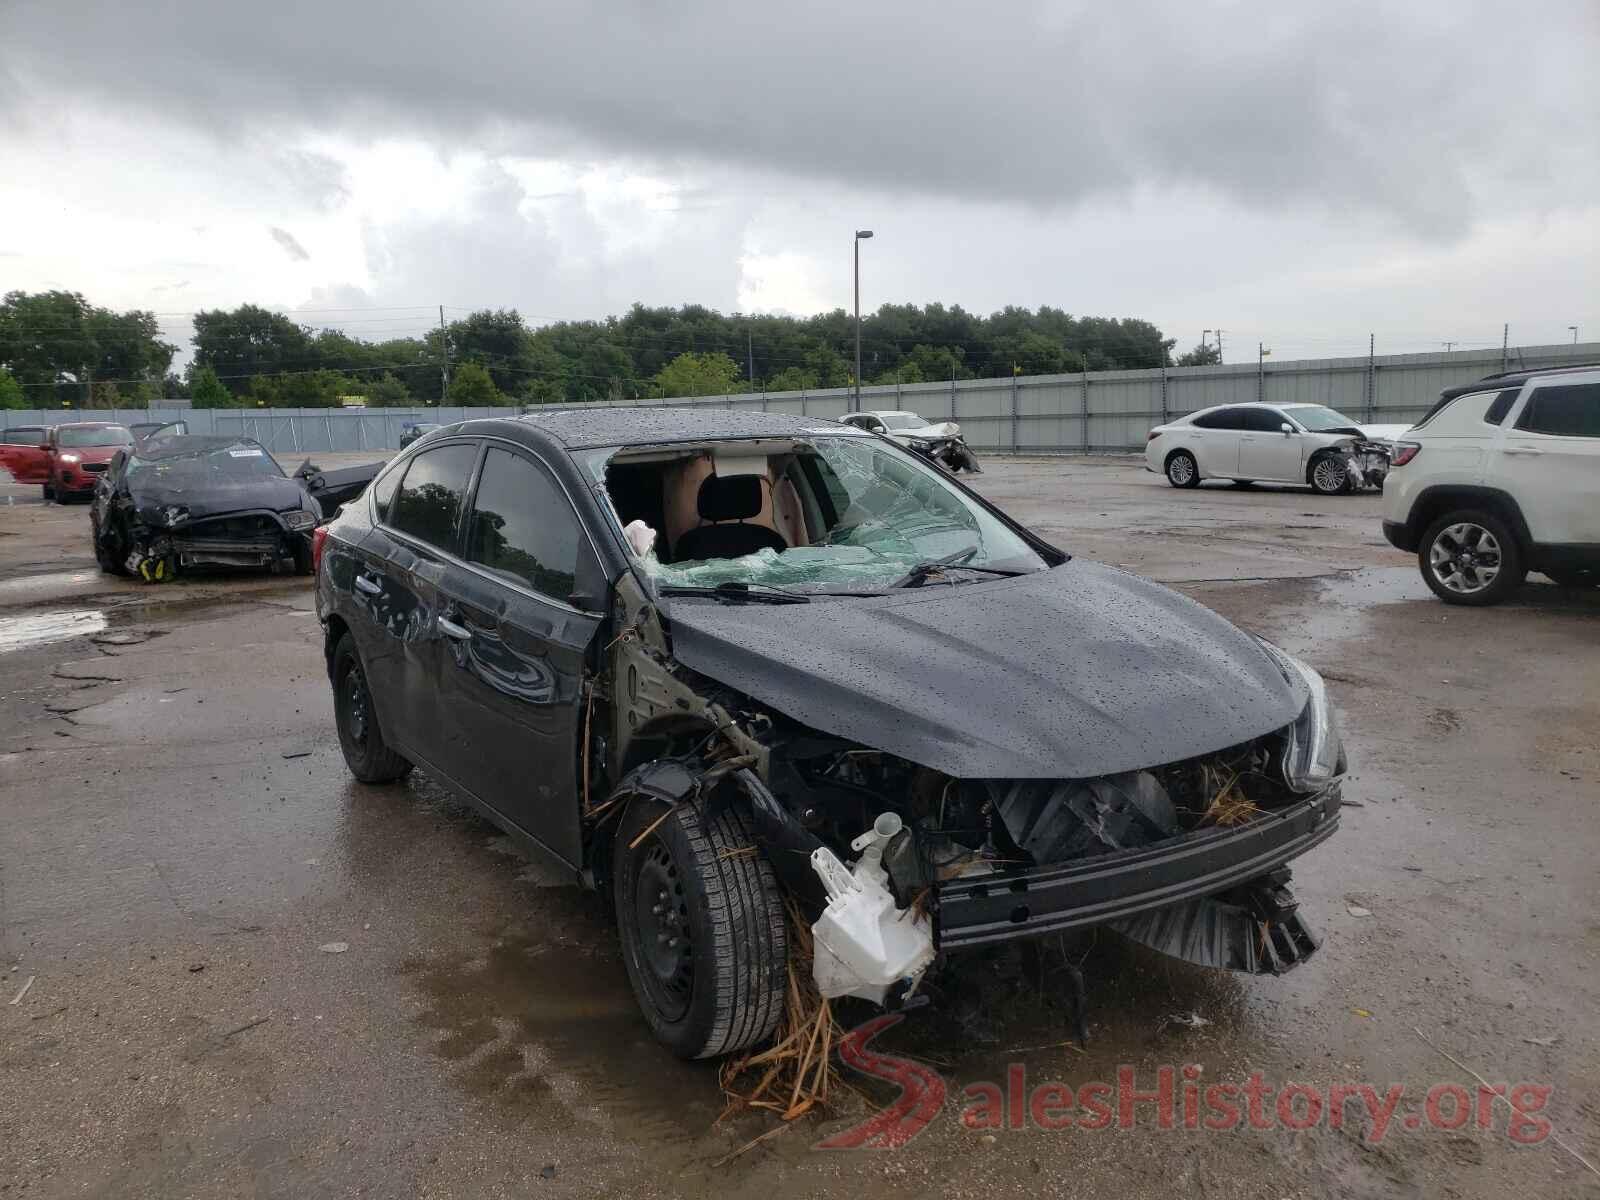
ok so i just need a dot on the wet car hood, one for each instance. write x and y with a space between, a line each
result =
1074 672
209 494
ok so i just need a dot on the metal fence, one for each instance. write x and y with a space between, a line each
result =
1105 411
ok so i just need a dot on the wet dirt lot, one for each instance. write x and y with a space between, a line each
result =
251 976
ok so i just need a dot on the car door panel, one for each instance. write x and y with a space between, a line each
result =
1216 444
395 590
1266 452
27 463
1548 458
511 691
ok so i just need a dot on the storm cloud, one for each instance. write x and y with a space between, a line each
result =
1375 107
1336 136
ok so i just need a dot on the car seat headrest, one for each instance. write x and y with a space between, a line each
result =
729 497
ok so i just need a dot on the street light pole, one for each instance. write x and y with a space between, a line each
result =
860 235
1574 329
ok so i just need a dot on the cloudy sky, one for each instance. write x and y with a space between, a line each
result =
1299 174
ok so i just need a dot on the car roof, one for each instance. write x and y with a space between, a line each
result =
1505 379
643 425
889 412
90 425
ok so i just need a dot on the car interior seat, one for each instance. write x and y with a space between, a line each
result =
728 502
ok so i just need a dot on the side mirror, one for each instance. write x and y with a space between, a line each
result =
44 445
589 585
1287 428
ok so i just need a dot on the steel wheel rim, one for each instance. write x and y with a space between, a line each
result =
356 707
1465 558
1180 469
661 931
1329 475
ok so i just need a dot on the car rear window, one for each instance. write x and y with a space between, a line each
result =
430 496
1563 410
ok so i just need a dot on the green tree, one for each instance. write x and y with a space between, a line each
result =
792 379
471 385
11 395
251 340
1203 355
711 374
386 391
207 391
57 343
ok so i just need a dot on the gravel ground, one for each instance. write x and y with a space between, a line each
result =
182 851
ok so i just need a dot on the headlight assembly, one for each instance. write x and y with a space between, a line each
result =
920 444
299 519
1313 753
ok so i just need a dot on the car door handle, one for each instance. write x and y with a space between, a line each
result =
368 585
450 629
1522 450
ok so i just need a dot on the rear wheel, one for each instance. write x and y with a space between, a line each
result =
1182 470
1470 557
49 493
702 926
365 752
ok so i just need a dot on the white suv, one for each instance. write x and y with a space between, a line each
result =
1502 477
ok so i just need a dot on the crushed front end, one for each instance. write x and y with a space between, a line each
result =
168 539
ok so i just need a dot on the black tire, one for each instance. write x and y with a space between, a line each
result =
49 493
722 988
1327 474
107 556
302 557
365 752
1182 470
1460 548
1574 578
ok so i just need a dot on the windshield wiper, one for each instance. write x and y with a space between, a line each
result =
918 575
734 592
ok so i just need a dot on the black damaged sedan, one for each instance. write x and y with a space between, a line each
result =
714 661
179 501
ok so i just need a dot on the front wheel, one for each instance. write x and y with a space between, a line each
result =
1330 475
1471 558
107 551
1182 470
49 493
365 752
702 926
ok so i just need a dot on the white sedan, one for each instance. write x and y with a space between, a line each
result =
1275 443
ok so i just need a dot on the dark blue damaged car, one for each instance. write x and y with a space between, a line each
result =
715 661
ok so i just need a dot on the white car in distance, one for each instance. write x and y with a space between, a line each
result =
1270 443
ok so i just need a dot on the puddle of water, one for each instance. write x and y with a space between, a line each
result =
552 1031
37 629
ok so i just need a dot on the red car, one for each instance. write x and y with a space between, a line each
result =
23 454
78 454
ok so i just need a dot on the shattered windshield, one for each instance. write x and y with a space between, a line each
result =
235 460
819 514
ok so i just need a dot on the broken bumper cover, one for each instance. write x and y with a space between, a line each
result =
1115 887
